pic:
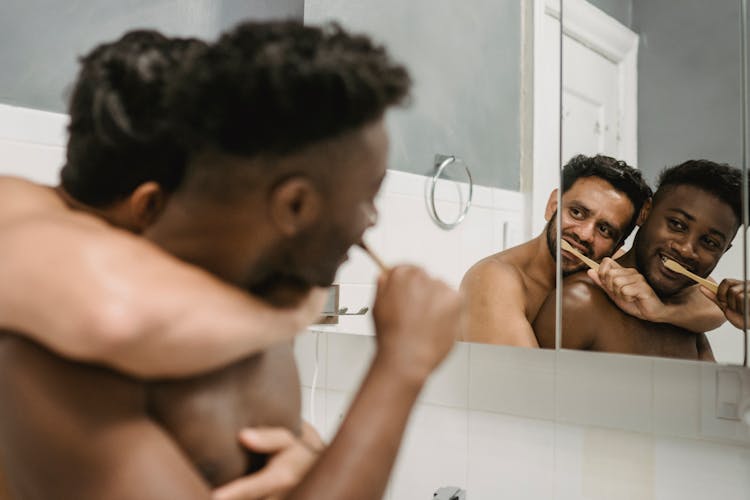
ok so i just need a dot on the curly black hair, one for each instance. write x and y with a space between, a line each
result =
721 180
622 176
273 88
119 133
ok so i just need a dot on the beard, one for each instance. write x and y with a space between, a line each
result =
551 229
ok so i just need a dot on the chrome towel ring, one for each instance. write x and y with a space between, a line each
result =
441 163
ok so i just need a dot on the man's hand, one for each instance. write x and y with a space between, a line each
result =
730 297
417 320
629 290
290 459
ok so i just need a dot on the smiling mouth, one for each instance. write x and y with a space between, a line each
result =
668 272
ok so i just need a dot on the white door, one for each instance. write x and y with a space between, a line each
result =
590 102
599 97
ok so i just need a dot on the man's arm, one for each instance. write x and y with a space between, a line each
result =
496 306
630 291
417 320
70 431
730 298
579 323
96 294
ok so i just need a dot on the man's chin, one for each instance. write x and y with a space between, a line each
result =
569 270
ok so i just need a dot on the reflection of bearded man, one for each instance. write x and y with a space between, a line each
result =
551 229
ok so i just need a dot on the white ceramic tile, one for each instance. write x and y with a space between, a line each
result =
33 126
477 238
433 453
314 409
607 390
405 222
503 199
449 384
36 162
568 452
616 465
691 469
512 380
509 457
310 350
359 268
349 357
336 405
677 398
712 427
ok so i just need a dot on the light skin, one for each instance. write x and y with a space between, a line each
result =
685 224
289 221
505 291
142 307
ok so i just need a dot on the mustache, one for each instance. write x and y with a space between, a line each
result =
589 252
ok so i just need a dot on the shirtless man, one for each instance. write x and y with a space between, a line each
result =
91 293
695 214
601 201
75 284
260 207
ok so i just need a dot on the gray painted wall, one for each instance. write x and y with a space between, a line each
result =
43 38
622 10
688 82
465 60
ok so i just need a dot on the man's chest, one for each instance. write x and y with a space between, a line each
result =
205 414
634 336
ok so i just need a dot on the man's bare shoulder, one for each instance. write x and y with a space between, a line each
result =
581 293
493 273
20 197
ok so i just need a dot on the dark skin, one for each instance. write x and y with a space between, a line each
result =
130 437
686 224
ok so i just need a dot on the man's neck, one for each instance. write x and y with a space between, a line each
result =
540 265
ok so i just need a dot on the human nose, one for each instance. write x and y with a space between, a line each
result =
585 231
685 248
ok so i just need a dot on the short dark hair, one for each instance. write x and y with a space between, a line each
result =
721 180
273 88
622 176
118 134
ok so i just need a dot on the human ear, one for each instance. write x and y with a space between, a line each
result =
295 205
551 208
144 205
645 210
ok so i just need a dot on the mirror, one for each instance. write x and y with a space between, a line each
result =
656 83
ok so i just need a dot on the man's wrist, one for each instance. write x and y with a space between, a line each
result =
398 365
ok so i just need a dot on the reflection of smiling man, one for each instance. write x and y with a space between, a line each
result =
601 200
695 215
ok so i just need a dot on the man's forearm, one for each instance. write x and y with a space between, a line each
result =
358 462
94 294
692 311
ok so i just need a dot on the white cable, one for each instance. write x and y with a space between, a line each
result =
314 383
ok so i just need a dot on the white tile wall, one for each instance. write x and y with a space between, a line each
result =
510 457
